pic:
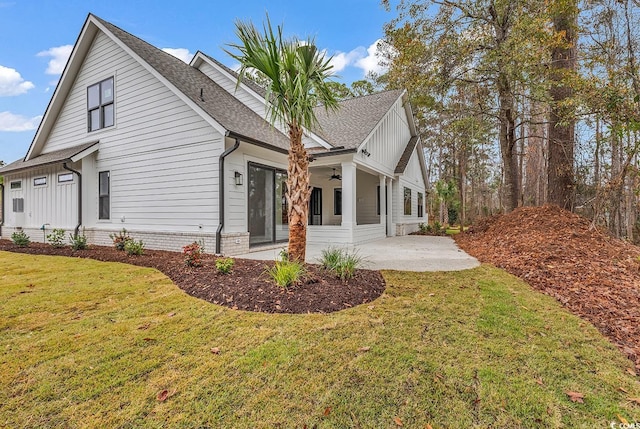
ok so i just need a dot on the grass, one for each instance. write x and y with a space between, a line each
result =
91 344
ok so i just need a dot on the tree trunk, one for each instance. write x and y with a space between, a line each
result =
508 144
297 195
562 121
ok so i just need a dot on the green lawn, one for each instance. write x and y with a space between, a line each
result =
91 344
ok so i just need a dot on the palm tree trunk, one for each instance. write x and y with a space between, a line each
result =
297 195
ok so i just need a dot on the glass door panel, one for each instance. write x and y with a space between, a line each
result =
282 209
261 205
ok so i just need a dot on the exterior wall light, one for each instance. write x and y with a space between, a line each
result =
238 177
365 152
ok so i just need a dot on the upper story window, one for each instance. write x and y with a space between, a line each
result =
40 181
17 184
100 105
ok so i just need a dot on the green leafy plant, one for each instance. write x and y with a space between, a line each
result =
120 239
343 263
56 237
286 273
78 242
20 238
133 247
425 228
224 265
193 254
330 258
437 227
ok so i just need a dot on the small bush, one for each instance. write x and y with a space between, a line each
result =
78 242
347 267
133 247
286 273
120 239
20 238
330 257
425 228
224 265
341 262
193 254
56 238
437 227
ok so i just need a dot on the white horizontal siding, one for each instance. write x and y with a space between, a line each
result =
368 233
329 235
162 156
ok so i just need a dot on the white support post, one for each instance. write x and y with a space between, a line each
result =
349 195
391 228
383 198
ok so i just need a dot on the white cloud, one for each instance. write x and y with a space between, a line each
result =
180 53
17 123
371 62
59 56
367 59
343 59
11 83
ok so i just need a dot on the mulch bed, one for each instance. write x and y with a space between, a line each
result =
246 288
560 254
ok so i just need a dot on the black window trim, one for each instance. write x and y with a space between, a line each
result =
18 205
107 196
101 106
40 178
337 202
406 188
15 182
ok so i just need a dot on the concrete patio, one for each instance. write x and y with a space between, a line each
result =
405 253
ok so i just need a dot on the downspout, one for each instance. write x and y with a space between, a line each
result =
221 193
1 205
75 233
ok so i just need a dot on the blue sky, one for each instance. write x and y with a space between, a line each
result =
37 37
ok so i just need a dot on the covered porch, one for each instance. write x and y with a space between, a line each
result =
349 204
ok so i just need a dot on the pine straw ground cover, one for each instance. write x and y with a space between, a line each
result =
559 253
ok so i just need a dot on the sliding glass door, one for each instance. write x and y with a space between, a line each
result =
268 214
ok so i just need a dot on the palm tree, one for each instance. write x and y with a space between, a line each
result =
297 76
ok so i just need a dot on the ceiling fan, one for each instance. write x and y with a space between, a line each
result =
335 176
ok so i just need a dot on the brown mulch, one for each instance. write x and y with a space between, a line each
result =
247 287
558 253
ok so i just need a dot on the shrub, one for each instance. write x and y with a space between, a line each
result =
341 262
286 273
193 254
437 227
78 242
133 247
348 265
224 265
425 228
330 257
56 238
20 238
120 239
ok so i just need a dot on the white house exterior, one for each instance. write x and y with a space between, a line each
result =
134 138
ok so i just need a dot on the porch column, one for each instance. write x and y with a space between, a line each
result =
391 229
383 199
349 194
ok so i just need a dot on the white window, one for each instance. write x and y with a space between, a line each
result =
18 205
40 181
100 105
65 177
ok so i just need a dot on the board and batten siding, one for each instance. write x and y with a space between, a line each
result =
55 204
388 141
162 156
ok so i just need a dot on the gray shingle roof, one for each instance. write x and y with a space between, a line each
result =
406 155
356 118
247 81
55 157
228 111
